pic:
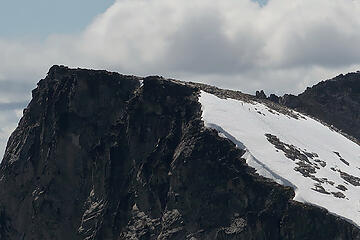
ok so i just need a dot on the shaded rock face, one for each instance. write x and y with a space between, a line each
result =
98 156
336 102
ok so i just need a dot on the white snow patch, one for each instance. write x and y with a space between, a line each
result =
246 124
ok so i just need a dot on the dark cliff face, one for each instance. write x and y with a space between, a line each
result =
336 101
98 156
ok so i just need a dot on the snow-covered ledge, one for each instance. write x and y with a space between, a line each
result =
320 164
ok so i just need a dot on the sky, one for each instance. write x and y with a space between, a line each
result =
39 18
280 46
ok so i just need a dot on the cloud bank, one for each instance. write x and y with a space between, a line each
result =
283 46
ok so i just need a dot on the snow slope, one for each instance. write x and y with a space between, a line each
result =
320 164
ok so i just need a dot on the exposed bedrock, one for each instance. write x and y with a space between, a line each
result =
97 155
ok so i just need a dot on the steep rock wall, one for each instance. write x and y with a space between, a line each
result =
99 156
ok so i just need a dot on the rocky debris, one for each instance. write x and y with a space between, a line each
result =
322 180
237 226
307 165
321 162
335 101
172 225
222 93
261 113
318 188
90 220
305 169
273 112
338 194
341 187
303 159
293 153
355 181
325 180
141 226
97 155
226 93
341 159
310 155
344 161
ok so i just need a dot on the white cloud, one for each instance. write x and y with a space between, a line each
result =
230 39
284 46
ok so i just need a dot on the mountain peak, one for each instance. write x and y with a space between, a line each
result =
335 101
101 155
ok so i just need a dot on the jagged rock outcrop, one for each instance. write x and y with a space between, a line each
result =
260 94
100 155
335 101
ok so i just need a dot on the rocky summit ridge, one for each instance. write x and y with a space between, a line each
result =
99 155
335 101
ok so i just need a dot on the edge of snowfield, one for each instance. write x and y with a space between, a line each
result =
320 164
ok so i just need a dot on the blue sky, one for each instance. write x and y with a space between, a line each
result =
40 18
